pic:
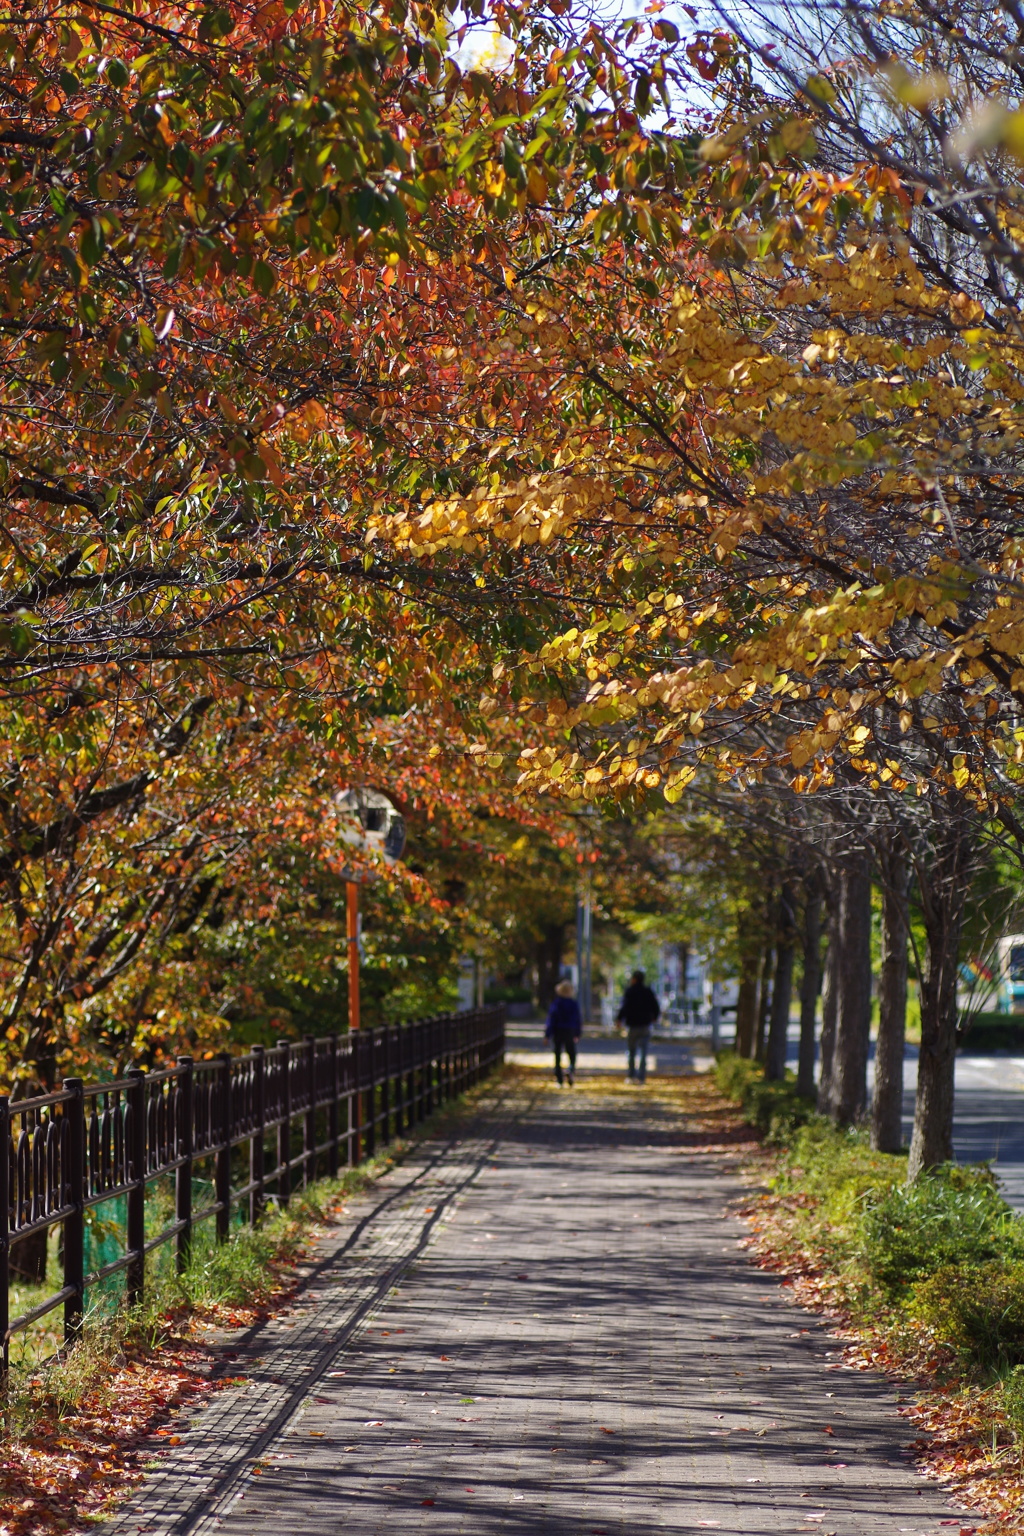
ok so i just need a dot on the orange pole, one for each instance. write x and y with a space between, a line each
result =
352 927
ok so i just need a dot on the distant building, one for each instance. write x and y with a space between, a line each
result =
688 995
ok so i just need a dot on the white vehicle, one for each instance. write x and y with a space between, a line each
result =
1010 980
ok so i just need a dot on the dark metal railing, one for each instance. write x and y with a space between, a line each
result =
303 1108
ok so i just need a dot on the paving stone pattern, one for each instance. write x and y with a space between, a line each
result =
575 1344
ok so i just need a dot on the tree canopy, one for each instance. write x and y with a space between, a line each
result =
454 398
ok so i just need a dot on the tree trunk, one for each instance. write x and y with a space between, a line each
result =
782 991
763 1003
746 1006
829 1009
809 989
549 963
887 1105
849 1094
943 892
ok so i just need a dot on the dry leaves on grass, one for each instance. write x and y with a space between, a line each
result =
59 1469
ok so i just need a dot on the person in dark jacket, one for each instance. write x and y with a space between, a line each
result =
564 1028
637 1013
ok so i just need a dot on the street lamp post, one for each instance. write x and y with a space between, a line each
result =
374 824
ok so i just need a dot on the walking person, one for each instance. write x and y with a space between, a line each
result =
563 1029
637 1012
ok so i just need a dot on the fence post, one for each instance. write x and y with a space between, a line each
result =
385 1088
74 1196
355 1102
421 1070
222 1166
332 1108
135 1275
5 1230
432 1068
446 1047
183 1177
256 1139
284 1129
370 1139
309 1124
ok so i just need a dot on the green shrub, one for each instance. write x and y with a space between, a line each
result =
733 1073
953 1215
838 1160
1013 1400
984 1032
978 1309
946 1250
776 1109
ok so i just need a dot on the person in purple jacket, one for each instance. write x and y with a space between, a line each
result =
564 1028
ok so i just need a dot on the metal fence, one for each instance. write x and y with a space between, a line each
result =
298 1109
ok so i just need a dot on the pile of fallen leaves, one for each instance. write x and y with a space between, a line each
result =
965 1442
65 1465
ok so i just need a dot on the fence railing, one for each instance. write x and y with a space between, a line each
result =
297 1109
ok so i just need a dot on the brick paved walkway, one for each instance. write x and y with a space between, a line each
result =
575 1346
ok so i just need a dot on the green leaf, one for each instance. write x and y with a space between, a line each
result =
172 261
264 278
92 243
216 24
820 89
147 183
